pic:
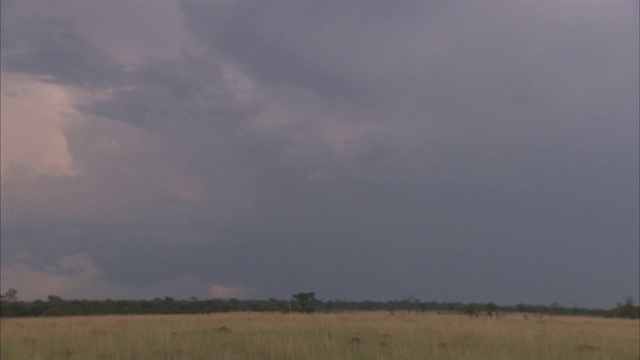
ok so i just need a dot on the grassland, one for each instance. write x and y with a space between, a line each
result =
365 335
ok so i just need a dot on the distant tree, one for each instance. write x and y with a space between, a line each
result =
451 308
491 309
627 309
470 310
305 301
10 295
54 298
412 303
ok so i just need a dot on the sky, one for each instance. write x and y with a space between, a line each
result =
454 151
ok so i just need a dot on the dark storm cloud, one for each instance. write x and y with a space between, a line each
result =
259 37
185 94
504 83
51 47
453 151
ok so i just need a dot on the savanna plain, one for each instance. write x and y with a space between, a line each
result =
357 335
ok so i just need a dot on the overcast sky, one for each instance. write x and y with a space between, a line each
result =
468 151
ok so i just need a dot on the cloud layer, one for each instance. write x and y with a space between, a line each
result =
455 152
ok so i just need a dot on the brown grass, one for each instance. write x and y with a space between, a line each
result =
361 335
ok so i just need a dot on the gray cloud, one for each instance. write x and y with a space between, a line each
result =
176 97
470 81
50 47
457 152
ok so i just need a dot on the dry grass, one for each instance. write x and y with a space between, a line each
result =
376 335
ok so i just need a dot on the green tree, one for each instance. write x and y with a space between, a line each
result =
54 299
412 303
627 309
491 309
305 301
470 310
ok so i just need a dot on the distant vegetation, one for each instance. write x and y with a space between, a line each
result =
304 302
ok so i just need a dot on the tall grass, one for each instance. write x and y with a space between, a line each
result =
363 335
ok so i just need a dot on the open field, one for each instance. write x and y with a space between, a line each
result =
361 335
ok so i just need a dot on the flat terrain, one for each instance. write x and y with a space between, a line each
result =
359 335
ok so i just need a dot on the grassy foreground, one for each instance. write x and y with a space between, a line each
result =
362 335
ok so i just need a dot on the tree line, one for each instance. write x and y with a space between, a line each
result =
304 302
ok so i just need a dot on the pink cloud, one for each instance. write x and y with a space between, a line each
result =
218 291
